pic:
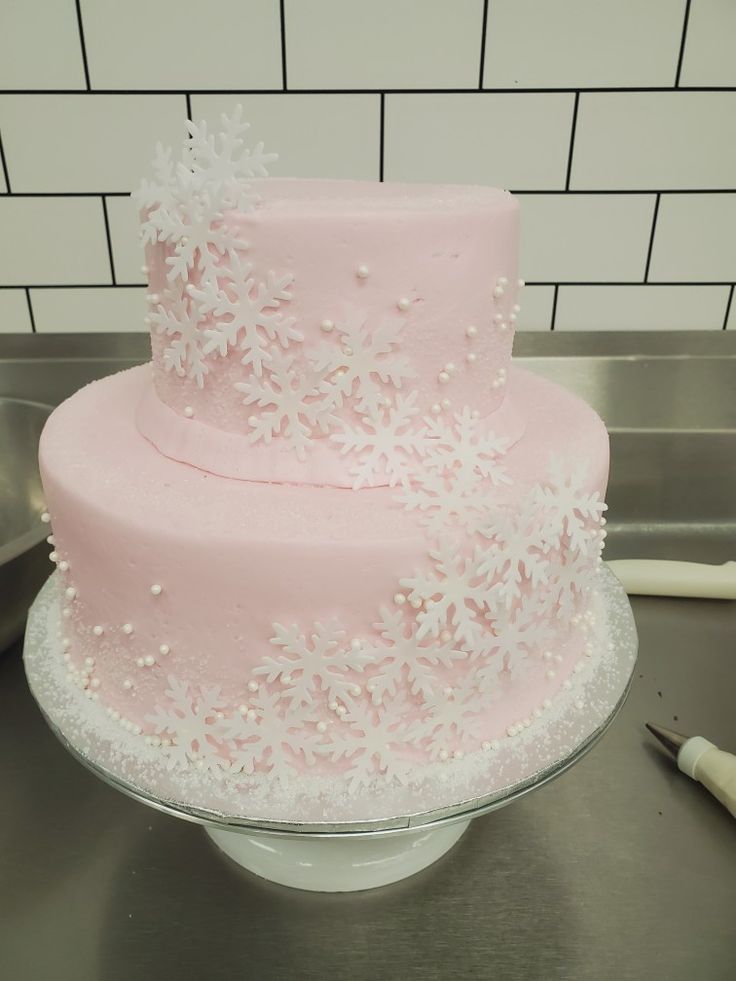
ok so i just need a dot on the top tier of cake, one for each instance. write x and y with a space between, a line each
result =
348 294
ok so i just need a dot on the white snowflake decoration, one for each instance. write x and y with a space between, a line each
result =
193 722
314 665
363 362
456 717
568 508
375 744
269 735
223 164
442 502
179 318
465 451
247 312
297 404
387 446
200 236
516 635
515 555
454 596
405 661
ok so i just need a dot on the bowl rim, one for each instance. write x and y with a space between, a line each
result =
37 531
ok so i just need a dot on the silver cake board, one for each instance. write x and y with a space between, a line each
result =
317 837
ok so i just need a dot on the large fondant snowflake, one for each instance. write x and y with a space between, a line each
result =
363 361
515 554
314 665
405 662
456 719
465 450
192 723
291 401
387 446
442 502
269 734
246 312
179 319
454 595
569 509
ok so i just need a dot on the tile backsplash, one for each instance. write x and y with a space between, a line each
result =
613 120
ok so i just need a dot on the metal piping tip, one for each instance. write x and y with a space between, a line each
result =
671 740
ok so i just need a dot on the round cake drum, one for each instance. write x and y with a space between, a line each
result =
433 812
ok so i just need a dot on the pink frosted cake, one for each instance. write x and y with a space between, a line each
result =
329 531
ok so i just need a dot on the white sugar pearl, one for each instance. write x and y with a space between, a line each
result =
156 589
450 367
188 411
253 686
526 723
416 603
180 373
503 326
251 714
66 612
356 644
362 272
66 643
286 679
144 270
140 662
327 326
547 703
127 684
252 420
516 308
475 414
495 744
148 320
447 692
45 517
53 556
471 331
128 628
547 655
136 730
404 303
164 649
471 357
348 350
89 662
443 377
243 709
443 755
520 283
436 409
485 745
332 706
445 636
149 660
64 565
498 318
51 540
498 291
503 281
356 690
153 298
512 318
579 704
70 592
95 682
399 599
458 754
496 383
551 674
511 731
341 710
321 727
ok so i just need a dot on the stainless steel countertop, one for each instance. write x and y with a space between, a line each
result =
622 869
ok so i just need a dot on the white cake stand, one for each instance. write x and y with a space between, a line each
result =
342 846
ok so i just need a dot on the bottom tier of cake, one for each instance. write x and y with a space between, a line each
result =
279 629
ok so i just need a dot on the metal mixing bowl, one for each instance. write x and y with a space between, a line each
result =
23 557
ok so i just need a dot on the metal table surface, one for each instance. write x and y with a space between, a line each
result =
622 869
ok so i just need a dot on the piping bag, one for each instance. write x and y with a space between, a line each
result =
663 577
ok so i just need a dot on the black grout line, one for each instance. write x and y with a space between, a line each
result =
109 239
554 307
483 45
529 282
189 107
30 309
572 140
728 307
651 238
414 91
4 163
382 136
82 45
523 192
683 42
282 22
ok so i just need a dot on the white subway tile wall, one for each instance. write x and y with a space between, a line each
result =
613 120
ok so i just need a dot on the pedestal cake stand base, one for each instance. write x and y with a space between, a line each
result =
314 837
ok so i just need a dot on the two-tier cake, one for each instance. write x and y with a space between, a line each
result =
330 531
